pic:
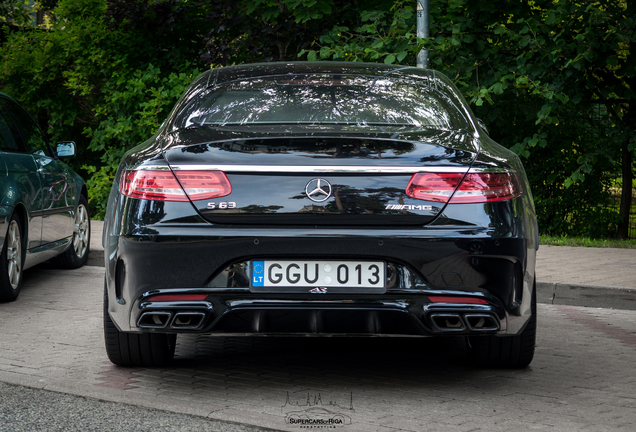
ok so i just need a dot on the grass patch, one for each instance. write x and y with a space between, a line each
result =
586 242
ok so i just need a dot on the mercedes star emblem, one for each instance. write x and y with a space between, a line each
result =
318 190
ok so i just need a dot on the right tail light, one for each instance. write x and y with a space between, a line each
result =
464 189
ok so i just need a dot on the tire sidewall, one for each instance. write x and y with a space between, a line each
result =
7 292
73 260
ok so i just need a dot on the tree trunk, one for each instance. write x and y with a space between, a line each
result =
626 193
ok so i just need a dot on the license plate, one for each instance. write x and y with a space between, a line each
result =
300 276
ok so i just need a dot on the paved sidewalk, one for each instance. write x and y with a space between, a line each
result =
582 377
581 276
575 276
96 255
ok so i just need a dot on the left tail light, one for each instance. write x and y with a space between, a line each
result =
178 186
469 188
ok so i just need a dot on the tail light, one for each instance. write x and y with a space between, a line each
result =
474 188
433 186
178 186
200 185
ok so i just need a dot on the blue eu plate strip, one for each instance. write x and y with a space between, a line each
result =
258 273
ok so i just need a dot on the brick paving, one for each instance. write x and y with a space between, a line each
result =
587 266
582 377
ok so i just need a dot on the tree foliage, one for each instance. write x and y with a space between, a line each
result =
15 12
106 73
553 80
268 30
106 83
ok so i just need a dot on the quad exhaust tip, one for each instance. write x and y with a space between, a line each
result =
447 322
162 320
187 320
481 322
455 322
154 320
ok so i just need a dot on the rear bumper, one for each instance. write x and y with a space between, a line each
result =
232 314
427 261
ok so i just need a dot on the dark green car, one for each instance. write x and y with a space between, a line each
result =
44 209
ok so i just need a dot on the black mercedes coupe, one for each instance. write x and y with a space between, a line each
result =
311 198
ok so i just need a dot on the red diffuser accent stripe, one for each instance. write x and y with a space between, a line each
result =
469 300
178 297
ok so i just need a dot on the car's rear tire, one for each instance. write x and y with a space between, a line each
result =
136 349
11 264
508 351
77 254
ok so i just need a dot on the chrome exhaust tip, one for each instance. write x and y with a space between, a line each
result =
154 320
188 320
481 322
447 322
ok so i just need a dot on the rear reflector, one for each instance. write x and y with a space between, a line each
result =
178 297
474 188
164 186
464 300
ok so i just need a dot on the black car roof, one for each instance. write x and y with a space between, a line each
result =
213 78
254 70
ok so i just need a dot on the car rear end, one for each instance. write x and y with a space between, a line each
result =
320 229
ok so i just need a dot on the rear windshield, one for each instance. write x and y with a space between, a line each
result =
322 99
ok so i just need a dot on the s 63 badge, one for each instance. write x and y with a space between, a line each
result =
221 205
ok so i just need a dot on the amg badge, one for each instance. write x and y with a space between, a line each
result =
408 207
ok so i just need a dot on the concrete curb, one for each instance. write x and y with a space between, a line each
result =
562 293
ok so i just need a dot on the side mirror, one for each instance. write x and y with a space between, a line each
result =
65 149
482 125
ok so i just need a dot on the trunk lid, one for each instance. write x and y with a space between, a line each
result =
324 180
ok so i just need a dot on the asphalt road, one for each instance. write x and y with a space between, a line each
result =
51 347
28 409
